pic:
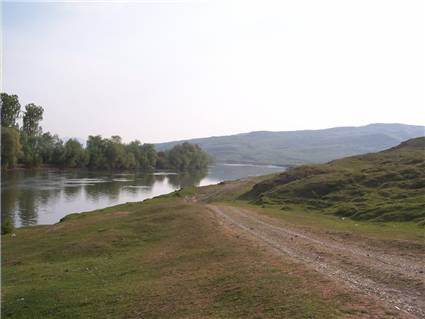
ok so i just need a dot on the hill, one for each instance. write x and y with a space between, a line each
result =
384 186
303 147
176 256
199 253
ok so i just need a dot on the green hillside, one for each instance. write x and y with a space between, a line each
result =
303 147
384 186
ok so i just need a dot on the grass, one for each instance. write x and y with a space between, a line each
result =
162 258
388 231
384 186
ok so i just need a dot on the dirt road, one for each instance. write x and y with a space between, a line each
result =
392 276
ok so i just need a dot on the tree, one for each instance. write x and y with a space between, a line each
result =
10 147
30 137
116 139
148 157
96 149
131 161
162 160
134 148
57 153
51 149
115 153
10 110
31 120
187 157
74 154
31 150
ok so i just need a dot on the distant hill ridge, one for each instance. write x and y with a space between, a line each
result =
305 146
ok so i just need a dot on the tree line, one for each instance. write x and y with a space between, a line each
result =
29 146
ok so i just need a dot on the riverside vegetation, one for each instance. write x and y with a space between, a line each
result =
30 146
174 256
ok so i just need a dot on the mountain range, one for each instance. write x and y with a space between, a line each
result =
304 146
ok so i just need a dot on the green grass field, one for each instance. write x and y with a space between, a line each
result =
162 258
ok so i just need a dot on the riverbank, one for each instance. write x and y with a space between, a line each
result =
45 196
46 167
175 257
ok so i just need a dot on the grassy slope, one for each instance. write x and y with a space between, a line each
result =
162 258
397 233
303 147
384 186
231 192
165 258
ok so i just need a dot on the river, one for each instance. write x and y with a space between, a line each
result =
32 197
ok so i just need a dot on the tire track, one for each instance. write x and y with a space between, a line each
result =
391 279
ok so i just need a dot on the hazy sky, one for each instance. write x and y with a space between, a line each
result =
166 70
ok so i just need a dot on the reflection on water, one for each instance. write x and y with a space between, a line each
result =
45 196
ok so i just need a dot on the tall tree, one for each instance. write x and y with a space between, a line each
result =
134 150
31 136
96 148
115 153
31 151
10 147
31 120
10 110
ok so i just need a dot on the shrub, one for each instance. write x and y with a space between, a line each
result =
7 226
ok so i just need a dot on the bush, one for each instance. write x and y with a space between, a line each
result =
7 226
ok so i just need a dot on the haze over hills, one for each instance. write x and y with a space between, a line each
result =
305 146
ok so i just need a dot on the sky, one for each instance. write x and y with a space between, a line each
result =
168 70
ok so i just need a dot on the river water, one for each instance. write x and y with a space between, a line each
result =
45 196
